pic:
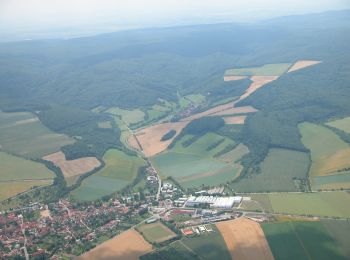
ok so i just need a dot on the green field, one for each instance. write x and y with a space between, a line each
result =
331 204
265 70
208 245
340 231
336 181
119 171
342 124
23 134
128 116
195 165
105 124
277 172
156 232
329 154
301 240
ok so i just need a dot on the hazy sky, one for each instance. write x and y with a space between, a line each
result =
107 15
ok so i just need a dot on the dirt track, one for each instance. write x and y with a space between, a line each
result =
129 245
73 167
245 239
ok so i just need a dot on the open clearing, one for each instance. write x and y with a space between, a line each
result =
150 137
128 116
332 204
265 70
301 64
278 171
73 167
301 240
208 245
23 134
156 232
234 120
233 78
342 124
129 245
119 171
245 239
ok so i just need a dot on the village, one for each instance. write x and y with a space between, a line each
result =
71 228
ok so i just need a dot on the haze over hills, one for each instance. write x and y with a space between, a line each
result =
163 132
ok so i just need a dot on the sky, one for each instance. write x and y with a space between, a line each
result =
40 17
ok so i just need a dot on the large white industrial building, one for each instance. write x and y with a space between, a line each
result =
215 202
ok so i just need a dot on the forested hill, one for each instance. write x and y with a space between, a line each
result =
135 68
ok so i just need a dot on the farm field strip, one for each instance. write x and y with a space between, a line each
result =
75 167
245 239
276 69
127 245
301 64
233 78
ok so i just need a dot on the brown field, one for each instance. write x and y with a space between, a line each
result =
245 239
303 64
73 167
232 78
129 245
132 142
338 161
234 120
149 137
235 110
258 82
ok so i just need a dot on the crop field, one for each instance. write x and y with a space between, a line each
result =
340 231
301 240
265 70
257 82
75 167
301 64
235 154
233 78
245 239
329 153
119 171
156 232
150 137
235 111
120 247
12 188
234 120
278 171
105 124
23 134
18 175
128 116
208 245
342 124
335 181
194 165
332 204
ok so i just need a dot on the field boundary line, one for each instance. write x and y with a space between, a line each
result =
189 249
299 240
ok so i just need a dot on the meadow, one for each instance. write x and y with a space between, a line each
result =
265 70
192 163
341 124
278 171
208 245
119 171
23 134
129 116
301 240
156 232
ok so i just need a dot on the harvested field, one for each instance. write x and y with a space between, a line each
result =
156 232
258 82
235 120
245 239
10 189
236 110
129 245
342 124
73 167
303 64
133 142
149 138
233 78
